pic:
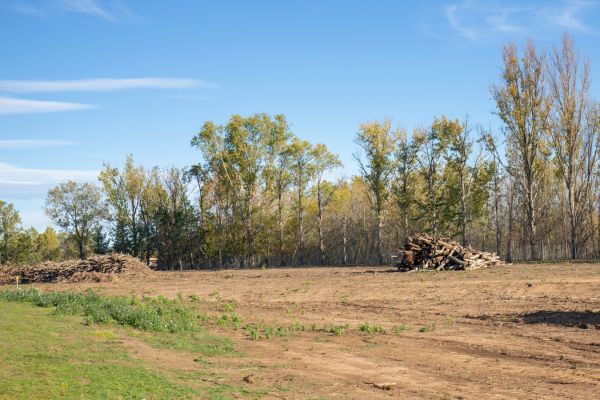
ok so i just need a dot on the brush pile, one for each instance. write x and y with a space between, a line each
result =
424 252
93 269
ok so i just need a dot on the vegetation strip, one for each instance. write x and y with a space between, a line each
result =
157 314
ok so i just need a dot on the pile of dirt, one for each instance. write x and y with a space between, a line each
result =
425 252
99 268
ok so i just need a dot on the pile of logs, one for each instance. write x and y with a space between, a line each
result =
425 252
96 268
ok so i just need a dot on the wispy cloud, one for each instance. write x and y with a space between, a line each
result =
113 10
12 175
23 106
89 7
25 9
32 143
475 19
568 15
100 85
451 13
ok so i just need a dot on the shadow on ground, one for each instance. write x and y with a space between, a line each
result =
580 319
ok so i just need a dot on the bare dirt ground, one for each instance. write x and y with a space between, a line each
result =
513 332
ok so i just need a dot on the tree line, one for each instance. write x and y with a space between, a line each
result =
261 196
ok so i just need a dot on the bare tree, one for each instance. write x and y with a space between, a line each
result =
524 107
302 166
573 137
324 161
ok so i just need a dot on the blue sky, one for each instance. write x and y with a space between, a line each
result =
84 82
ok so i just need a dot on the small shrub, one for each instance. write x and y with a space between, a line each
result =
398 329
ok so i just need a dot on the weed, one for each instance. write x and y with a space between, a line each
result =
337 330
297 327
204 317
371 328
259 331
195 298
149 314
236 319
398 329
428 328
217 295
254 332
223 319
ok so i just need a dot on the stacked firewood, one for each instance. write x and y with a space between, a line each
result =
96 268
425 252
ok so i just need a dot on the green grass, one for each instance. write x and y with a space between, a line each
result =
199 342
149 314
45 357
57 350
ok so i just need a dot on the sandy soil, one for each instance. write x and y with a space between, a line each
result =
514 332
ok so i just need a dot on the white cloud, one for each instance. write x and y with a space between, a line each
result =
12 175
100 85
32 143
452 17
23 106
475 19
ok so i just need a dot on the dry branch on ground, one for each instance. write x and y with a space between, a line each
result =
97 268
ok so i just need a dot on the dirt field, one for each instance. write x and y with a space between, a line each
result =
521 331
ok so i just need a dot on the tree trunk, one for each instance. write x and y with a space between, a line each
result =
81 248
509 235
379 240
345 240
320 226
280 216
496 212
463 210
300 228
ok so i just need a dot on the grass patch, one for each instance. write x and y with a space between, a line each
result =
149 314
59 358
398 329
